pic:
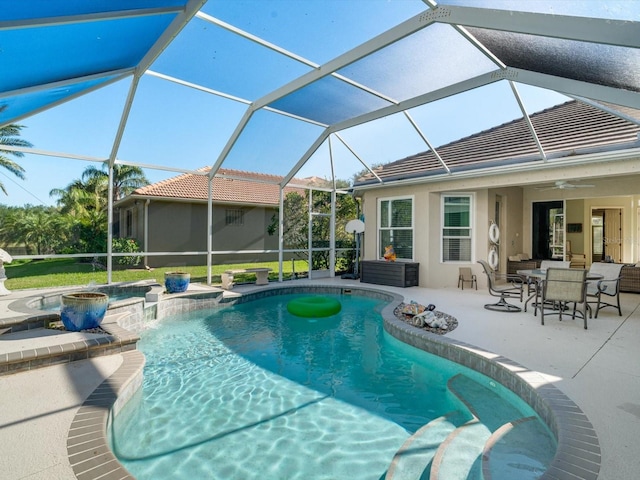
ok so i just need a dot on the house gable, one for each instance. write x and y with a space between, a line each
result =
233 187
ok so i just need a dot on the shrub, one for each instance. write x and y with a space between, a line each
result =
125 245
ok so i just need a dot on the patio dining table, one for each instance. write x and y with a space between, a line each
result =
539 274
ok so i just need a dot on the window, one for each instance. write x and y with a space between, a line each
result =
234 217
128 223
456 228
395 226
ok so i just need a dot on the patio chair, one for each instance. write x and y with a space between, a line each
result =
466 275
561 287
609 286
545 265
513 288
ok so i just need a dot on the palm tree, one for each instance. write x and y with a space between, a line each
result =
41 229
126 179
9 136
78 198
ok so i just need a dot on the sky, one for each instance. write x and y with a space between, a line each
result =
171 125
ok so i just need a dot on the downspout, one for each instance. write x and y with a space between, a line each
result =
332 235
281 234
145 219
110 225
332 221
209 228
309 233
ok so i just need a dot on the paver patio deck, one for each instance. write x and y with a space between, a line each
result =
598 368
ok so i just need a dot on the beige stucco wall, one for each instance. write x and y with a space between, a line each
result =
574 212
510 223
518 192
617 192
427 249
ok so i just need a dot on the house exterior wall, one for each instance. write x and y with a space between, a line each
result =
427 225
182 227
177 227
510 222
621 190
575 213
615 192
626 204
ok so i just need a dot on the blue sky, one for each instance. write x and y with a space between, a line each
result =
172 125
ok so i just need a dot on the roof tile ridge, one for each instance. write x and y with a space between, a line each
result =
168 181
248 174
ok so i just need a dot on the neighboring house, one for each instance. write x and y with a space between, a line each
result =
442 219
171 216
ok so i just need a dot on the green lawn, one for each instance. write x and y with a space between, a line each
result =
68 271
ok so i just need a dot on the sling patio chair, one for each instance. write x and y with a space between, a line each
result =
561 287
544 266
503 286
609 286
466 275
527 265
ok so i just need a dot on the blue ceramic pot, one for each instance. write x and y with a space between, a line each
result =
83 310
176 282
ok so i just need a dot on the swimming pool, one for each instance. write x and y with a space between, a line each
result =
251 391
51 303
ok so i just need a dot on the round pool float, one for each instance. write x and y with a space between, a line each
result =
314 307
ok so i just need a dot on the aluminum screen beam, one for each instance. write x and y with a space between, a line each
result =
408 27
571 87
88 17
165 39
116 75
525 115
595 30
310 151
362 162
427 142
460 87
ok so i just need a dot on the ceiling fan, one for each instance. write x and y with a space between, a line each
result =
564 185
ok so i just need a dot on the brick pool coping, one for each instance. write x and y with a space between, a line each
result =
577 456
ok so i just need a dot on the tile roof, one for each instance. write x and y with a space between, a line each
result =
563 130
263 190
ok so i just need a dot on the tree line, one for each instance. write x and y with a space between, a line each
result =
78 222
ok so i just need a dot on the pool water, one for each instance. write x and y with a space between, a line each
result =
253 392
54 305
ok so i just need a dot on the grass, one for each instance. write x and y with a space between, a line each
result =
61 272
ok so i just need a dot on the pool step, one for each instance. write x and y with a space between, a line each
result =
461 454
483 402
511 453
41 347
413 460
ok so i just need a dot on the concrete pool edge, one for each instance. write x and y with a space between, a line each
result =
578 450
33 313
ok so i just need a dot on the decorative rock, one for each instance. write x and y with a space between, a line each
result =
429 319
